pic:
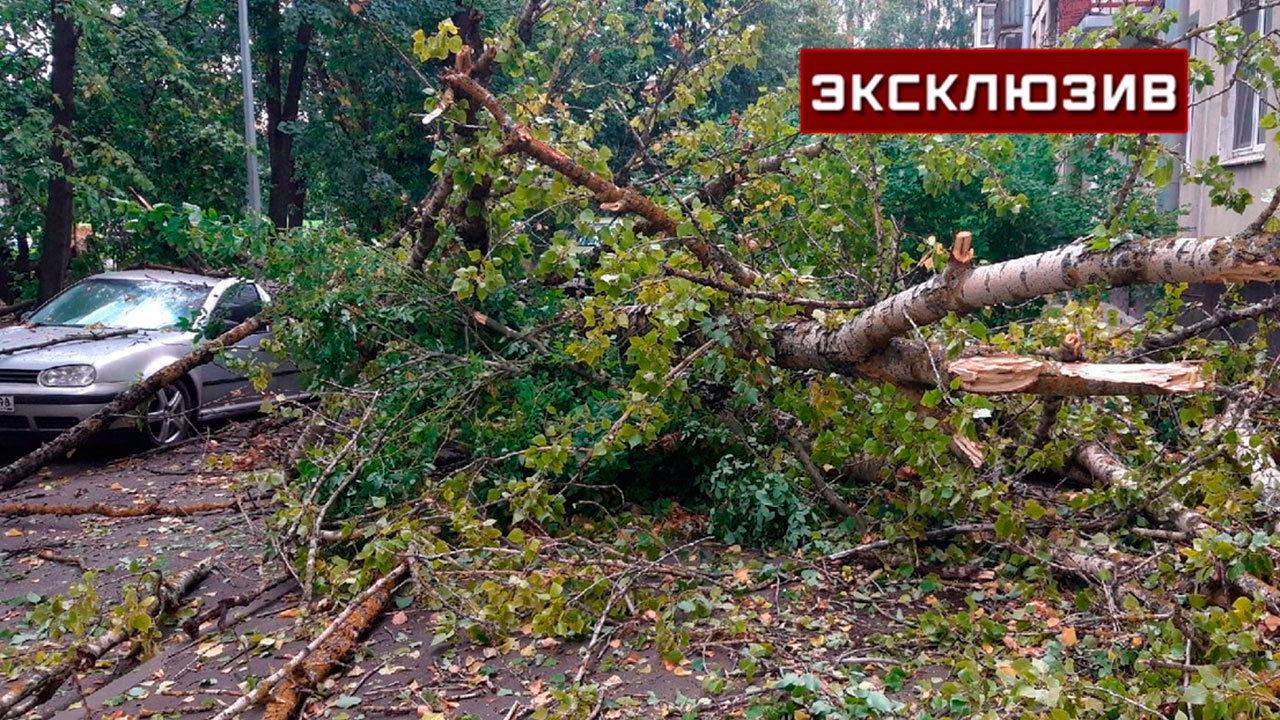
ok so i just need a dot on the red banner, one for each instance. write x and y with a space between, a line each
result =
993 91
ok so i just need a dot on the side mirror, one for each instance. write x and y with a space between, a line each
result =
26 316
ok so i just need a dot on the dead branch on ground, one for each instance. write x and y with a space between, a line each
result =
146 509
319 658
40 687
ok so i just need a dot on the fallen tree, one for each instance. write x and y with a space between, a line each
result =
18 470
858 346
722 311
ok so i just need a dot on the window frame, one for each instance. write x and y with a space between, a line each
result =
221 308
1254 151
981 9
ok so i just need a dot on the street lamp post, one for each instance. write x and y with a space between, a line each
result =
250 126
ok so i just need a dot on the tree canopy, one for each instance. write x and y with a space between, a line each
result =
568 270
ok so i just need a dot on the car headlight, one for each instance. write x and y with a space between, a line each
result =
69 376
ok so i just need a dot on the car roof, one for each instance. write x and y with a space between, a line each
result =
159 276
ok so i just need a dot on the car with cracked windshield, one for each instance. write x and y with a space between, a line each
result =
78 351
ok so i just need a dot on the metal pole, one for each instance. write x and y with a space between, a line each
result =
250 124
1026 22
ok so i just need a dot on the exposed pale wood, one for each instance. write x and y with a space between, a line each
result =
993 375
347 627
908 363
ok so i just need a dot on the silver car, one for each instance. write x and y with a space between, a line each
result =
88 344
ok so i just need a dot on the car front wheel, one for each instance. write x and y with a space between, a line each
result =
168 416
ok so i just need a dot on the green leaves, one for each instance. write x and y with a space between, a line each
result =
439 46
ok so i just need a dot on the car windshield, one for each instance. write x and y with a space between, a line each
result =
121 303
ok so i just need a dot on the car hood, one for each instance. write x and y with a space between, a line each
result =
65 349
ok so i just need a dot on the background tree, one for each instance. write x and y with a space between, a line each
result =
59 217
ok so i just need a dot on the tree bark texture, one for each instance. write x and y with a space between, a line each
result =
59 209
284 96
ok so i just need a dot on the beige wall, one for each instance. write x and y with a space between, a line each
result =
1042 24
1209 135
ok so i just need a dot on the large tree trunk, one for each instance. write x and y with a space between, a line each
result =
962 289
288 191
59 219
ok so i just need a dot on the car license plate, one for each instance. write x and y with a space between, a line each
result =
6 403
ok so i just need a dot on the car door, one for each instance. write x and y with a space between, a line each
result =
225 385
226 388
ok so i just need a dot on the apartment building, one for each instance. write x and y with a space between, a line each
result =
1224 119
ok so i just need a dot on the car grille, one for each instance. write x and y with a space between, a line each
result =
19 376
55 423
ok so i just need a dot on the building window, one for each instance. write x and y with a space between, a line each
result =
1247 104
984 26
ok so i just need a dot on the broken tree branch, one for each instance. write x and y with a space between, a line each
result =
930 536
15 308
18 470
1071 350
329 647
423 222
610 197
786 425
64 340
737 291
40 687
914 364
152 508
1252 455
1223 316
1165 508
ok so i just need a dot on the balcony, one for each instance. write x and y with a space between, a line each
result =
998 23
1096 14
